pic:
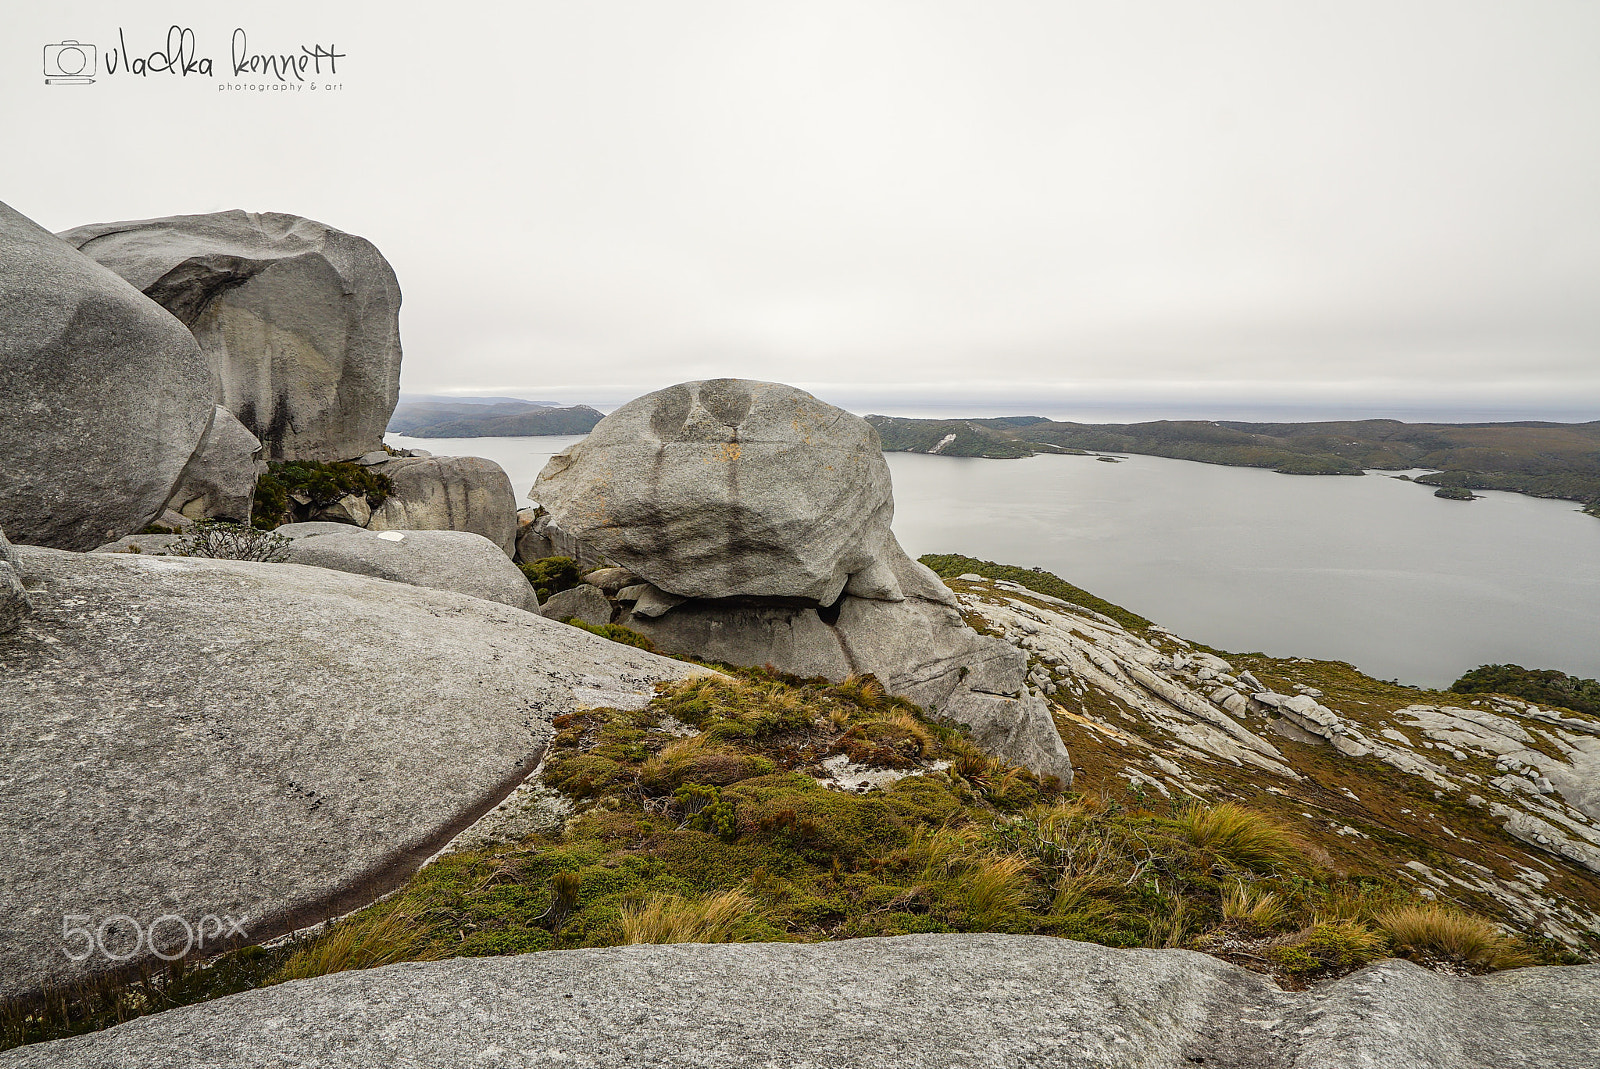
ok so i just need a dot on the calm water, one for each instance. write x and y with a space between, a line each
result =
1370 570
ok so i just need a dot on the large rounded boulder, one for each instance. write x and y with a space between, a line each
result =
103 395
729 488
300 321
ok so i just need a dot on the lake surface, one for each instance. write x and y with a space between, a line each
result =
1370 570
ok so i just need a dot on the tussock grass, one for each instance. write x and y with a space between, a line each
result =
1260 909
1242 837
997 890
365 941
1441 930
672 919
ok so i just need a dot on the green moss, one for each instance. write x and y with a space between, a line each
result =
551 575
616 633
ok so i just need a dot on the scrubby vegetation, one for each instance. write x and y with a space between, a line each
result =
232 541
709 816
616 633
551 575
1542 685
1454 493
950 565
295 490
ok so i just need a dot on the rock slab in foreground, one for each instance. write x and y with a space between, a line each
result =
300 321
103 395
270 741
918 1000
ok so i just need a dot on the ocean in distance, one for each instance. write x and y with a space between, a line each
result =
1370 570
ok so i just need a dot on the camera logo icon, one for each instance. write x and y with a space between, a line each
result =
69 63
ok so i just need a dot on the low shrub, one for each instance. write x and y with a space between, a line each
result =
293 490
232 541
551 575
1337 947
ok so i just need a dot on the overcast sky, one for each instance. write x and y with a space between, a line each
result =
1195 208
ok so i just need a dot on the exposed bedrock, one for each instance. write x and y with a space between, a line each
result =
103 395
299 321
271 742
916 1000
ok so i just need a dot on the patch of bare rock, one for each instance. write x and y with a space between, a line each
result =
923 1000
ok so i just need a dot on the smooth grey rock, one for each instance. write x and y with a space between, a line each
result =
729 488
448 494
651 600
611 580
161 545
538 538
919 649
220 479
351 509
931 1001
300 321
274 742
441 560
582 601
103 395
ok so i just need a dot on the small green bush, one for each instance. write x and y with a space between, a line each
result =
232 541
551 575
707 810
1542 685
322 483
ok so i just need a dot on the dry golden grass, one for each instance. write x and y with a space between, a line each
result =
1451 933
996 889
1242 837
359 943
1262 910
671 919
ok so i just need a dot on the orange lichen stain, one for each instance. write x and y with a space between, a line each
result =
726 454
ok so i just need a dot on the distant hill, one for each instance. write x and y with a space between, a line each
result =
409 398
1559 460
478 418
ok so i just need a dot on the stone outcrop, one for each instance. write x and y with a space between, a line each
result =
756 519
15 605
1143 707
300 322
933 1001
730 487
219 481
448 494
583 601
441 560
270 742
103 395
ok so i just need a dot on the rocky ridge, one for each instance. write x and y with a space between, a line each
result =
1493 803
